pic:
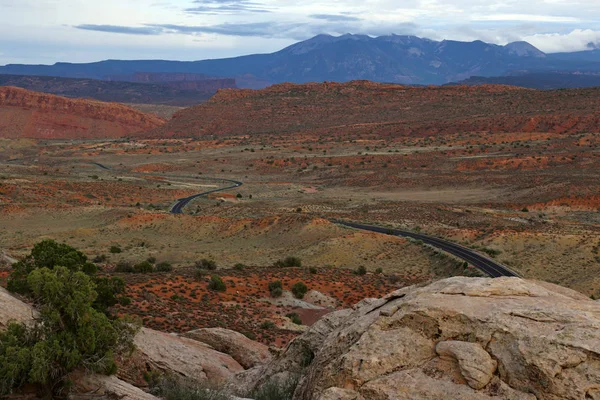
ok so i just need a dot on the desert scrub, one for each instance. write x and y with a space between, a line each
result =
164 267
299 290
295 318
205 264
275 289
360 271
276 390
216 284
288 262
171 388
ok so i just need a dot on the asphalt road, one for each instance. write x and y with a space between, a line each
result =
485 264
181 203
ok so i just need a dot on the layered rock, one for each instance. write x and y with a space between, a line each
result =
460 338
246 352
362 107
38 115
86 386
174 355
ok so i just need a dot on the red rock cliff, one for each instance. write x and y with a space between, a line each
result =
38 115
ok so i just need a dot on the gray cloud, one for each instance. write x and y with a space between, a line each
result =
334 17
129 30
267 29
256 29
215 7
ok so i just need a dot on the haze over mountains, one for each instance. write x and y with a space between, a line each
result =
396 59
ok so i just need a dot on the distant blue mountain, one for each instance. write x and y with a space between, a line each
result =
399 59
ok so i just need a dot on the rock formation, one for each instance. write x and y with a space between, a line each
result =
243 350
362 107
38 115
459 338
174 355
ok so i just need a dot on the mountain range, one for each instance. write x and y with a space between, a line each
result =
393 59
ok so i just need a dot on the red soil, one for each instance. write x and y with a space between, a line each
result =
179 303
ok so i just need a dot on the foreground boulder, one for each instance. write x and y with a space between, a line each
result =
243 350
13 309
177 356
459 338
91 386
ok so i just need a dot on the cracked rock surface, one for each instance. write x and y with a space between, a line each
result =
459 338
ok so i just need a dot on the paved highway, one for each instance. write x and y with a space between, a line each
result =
485 264
181 203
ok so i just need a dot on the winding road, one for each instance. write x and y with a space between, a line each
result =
181 203
483 263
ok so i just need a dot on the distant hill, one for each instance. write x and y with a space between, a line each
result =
397 59
538 80
26 114
198 82
121 92
386 110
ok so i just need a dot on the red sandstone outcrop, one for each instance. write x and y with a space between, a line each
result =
38 115
363 107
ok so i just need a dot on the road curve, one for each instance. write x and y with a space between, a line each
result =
485 264
181 203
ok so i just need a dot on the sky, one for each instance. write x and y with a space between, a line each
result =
49 31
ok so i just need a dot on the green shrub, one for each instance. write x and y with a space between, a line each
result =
68 334
360 270
276 289
276 390
379 270
205 264
289 262
299 290
143 268
216 284
100 259
239 267
295 318
312 270
268 325
49 254
171 388
151 260
114 249
125 267
164 267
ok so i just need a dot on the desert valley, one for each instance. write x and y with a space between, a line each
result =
509 173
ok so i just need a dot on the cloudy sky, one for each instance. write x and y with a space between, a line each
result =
47 31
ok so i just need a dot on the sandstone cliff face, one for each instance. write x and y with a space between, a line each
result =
363 107
37 115
460 338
